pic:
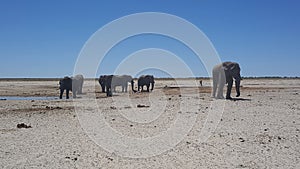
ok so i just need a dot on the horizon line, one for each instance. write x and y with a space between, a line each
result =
158 78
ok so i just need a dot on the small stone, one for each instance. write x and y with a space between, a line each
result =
113 107
241 139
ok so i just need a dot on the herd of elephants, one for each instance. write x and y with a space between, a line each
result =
223 73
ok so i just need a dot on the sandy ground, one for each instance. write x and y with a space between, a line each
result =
260 130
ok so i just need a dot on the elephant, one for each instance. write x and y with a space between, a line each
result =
121 81
223 74
78 83
145 80
109 82
73 84
102 82
65 84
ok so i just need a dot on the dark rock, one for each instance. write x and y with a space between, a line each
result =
22 125
141 105
241 139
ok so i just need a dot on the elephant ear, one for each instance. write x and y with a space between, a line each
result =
232 67
225 67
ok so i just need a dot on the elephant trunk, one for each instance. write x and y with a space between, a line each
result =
152 85
237 87
132 86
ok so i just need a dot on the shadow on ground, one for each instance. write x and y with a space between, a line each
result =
239 99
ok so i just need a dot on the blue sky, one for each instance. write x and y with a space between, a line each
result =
44 38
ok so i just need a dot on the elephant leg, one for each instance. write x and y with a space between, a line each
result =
221 82
80 89
229 87
108 91
67 93
74 93
215 85
220 91
61 93
152 86
103 88
125 87
113 88
220 88
148 86
237 87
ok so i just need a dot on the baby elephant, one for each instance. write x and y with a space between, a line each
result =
71 84
224 73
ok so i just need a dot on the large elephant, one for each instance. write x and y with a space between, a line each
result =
122 81
101 81
73 84
145 80
109 82
224 74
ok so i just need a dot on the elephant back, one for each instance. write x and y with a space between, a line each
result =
78 77
121 80
145 79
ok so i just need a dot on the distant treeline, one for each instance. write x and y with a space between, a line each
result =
272 77
158 78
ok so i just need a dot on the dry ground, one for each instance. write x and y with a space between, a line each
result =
260 130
